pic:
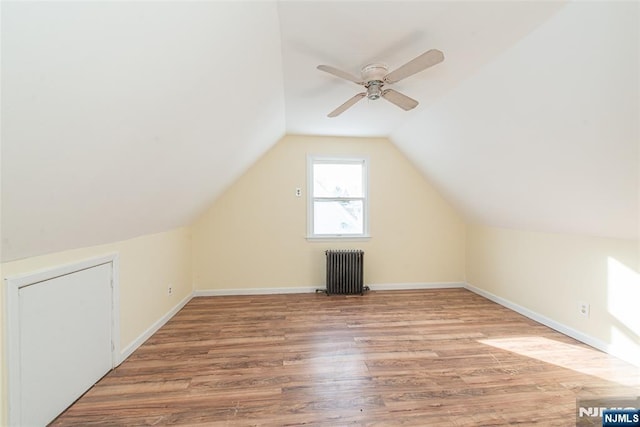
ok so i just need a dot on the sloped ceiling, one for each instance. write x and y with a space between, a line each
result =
121 119
546 136
126 118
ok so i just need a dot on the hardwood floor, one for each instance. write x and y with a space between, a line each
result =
426 358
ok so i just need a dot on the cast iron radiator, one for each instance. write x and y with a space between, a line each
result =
344 272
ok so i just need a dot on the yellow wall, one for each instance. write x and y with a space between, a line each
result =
148 265
550 273
254 235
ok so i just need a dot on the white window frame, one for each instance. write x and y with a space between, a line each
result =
313 159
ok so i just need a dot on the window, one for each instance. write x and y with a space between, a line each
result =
337 197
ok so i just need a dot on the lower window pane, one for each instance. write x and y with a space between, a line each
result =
338 217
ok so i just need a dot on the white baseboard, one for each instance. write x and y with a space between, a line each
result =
252 291
304 290
406 286
573 333
126 352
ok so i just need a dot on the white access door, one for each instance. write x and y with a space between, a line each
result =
65 341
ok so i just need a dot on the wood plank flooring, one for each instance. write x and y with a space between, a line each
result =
426 358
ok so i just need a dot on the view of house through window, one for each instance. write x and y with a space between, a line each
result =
338 197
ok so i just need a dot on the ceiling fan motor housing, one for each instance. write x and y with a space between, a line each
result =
374 72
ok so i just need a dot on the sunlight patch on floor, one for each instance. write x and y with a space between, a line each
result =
576 358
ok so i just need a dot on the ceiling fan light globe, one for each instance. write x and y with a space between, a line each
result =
374 90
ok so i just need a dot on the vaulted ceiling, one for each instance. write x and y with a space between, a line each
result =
126 118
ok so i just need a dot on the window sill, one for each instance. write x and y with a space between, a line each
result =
341 238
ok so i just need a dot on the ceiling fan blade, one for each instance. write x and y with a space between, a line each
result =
340 73
422 62
402 101
341 109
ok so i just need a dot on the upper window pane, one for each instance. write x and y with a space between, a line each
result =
337 180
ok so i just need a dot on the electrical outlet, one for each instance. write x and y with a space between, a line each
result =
298 192
169 290
583 308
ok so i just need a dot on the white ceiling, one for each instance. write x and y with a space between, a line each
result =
350 35
126 118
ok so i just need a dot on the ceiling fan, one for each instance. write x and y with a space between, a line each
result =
376 76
